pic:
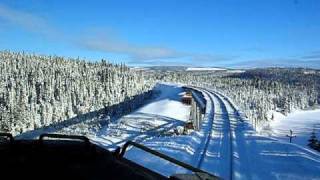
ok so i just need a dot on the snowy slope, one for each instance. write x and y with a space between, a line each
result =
300 122
164 113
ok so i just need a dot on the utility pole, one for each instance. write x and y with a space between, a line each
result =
291 136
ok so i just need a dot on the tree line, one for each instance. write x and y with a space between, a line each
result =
37 90
258 91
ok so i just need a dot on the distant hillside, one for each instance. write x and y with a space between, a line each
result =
205 69
186 68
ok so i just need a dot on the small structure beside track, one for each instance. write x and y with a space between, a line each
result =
194 98
187 98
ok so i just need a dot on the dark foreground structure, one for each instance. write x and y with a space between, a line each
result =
55 156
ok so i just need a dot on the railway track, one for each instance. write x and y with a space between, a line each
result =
230 133
208 131
217 153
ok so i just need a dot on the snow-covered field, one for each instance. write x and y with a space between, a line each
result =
300 122
214 69
205 69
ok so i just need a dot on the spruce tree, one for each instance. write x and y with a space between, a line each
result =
313 142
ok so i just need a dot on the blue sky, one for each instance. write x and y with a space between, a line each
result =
228 33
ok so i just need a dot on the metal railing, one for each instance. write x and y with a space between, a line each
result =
163 156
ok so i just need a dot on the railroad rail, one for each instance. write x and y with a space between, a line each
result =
219 101
209 131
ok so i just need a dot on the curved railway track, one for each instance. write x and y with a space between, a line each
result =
220 137
208 131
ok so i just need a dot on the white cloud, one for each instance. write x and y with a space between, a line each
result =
112 44
103 41
27 21
106 40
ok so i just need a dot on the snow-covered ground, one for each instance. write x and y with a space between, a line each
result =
236 71
227 146
185 148
234 150
300 122
157 117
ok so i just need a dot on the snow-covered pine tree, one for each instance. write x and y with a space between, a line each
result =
37 90
313 141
